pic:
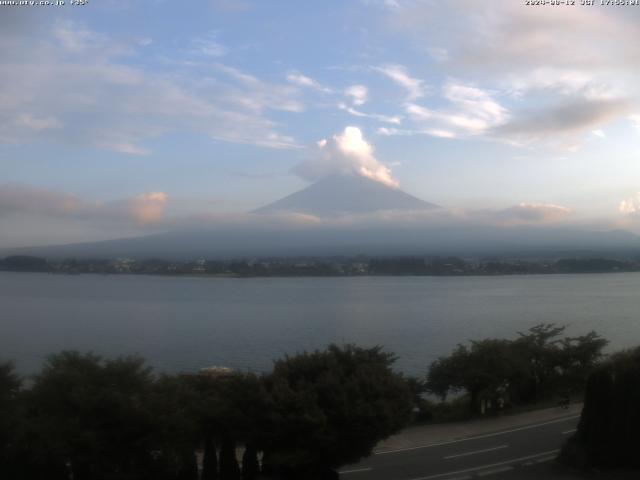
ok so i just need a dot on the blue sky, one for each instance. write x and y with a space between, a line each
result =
120 118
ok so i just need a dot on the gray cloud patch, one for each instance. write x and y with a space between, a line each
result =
569 117
533 213
575 69
21 201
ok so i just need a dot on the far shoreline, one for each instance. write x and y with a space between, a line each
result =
336 276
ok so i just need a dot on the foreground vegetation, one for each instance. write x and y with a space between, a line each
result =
88 418
607 434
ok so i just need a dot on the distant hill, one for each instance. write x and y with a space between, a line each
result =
380 239
262 233
346 194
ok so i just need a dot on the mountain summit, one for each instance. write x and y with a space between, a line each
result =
346 194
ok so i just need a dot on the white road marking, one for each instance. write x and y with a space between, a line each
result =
567 432
466 454
486 467
545 459
355 470
564 419
493 471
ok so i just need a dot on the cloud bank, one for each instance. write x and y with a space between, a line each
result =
533 213
549 96
37 210
146 209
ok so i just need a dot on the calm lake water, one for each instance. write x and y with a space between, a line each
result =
183 324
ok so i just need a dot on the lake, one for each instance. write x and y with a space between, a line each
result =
185 323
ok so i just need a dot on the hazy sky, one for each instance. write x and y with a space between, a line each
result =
118 118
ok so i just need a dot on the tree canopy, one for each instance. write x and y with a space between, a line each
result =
99 419
607 434
537 364
332 407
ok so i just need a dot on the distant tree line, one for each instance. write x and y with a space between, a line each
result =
86 418
318 266
24 263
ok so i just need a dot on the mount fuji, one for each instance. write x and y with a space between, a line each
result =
344 198
346 194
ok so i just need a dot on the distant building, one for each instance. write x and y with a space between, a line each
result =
123 265
199 266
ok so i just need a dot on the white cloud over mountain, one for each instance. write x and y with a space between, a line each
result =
343 154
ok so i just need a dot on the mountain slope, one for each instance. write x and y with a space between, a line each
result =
270 235
234 241
340 194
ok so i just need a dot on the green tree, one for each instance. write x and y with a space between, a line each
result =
229 468
91 415
483 371
330 408
232 409
174 405
579 356
537 364
607 434
250 464
9 422
25 263
541 351
209 460
446 373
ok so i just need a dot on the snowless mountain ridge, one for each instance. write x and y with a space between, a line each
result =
346 194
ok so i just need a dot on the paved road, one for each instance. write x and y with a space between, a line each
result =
511 450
